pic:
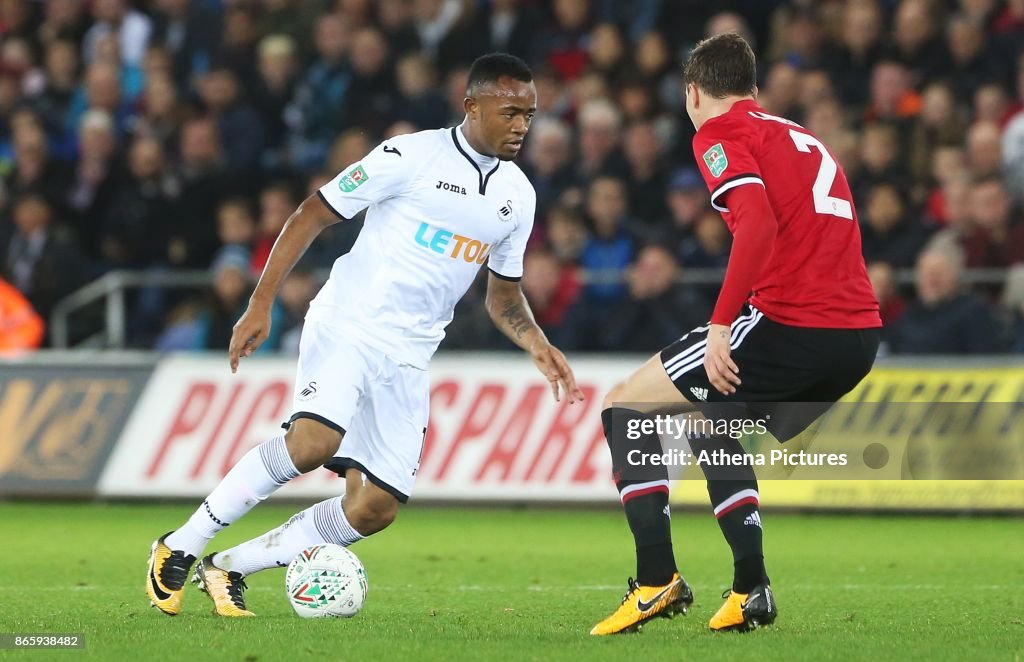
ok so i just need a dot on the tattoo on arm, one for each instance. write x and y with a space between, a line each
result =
516 317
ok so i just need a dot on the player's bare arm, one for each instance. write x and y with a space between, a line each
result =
511 313
299 231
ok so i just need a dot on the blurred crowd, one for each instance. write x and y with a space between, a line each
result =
168 135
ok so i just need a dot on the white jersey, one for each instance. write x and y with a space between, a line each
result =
437 212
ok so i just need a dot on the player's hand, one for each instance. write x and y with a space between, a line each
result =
722 371
249 333
552 364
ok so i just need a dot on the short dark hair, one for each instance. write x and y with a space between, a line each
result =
722 66
489 68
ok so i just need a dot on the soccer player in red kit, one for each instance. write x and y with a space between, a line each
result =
796 322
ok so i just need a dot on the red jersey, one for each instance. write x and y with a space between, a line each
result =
815 276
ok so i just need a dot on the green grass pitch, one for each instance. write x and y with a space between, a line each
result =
528 584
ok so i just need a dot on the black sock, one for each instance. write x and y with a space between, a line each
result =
734 497
644 493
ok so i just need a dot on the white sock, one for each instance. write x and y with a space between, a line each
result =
256 476
323 522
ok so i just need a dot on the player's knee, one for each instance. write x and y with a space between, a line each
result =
371 513
614 395
311 443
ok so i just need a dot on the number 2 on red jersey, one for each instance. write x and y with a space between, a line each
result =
823 202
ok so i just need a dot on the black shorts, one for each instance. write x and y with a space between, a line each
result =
792 374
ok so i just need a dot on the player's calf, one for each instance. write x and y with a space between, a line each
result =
311 443
368 508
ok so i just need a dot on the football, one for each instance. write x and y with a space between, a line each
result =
326 581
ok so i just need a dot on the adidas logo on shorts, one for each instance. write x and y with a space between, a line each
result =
699 393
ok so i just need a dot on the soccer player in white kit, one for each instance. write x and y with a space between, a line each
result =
441 204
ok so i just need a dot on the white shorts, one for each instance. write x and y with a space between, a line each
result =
380 405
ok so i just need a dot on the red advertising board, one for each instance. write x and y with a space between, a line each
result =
495 431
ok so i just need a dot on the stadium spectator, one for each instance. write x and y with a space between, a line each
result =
315 116
992 239
17 53
136 224
984 150
653 59
21 328
860 47
241 129
566 234
31 168
62 19
551 287
782 91
394 18
276 204
888 232
421 103
278 70
130 76
610 250
100 91
548 161
798 37
297 290
189 30
161 114
646 176
992 104
969 63
879 161
890 303
892 99
372 100
38 256
204 182
238 41
686 201
708 247
54 100
442 30
940 125
605 256
563 43
943 319
599 124
729 21
916 40
506 26
236 224
95 180
131 27
606 52
658 305
207 325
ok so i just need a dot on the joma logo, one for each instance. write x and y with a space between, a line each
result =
454 188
